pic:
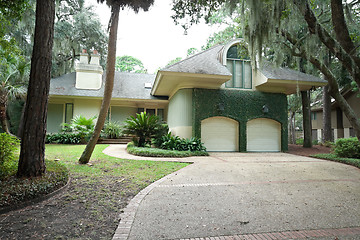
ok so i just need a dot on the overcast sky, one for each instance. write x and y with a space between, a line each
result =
152 36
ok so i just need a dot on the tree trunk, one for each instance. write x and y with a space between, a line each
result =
31 162
327 135
292 128
305 97
349 61
109 85
3 118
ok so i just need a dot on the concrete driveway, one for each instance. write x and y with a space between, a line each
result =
248 196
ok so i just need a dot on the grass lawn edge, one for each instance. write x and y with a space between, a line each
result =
332 157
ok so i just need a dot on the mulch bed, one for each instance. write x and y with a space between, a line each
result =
300 150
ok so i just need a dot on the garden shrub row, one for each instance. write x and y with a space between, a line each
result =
347 147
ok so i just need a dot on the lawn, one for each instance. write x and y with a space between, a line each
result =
89 208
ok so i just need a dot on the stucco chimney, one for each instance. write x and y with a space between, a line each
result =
89 75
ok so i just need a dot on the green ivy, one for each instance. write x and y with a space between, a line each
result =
241 106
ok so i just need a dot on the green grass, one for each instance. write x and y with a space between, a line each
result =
332 157
138 174
156 152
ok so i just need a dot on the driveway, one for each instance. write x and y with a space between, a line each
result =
247 196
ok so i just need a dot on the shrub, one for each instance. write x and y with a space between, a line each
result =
156 152
64 138
143 126
347 147
80 126
112 130
299 141
180 144
8 146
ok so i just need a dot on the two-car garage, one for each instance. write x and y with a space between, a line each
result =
222 134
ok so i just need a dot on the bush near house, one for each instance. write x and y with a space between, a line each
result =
170 142
112 130
144 127
78 131
8 158
347 147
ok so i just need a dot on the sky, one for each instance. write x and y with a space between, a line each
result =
152 36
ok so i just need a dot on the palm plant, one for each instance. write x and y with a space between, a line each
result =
115 5
143 126
13 70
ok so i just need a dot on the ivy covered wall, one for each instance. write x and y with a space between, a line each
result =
241 106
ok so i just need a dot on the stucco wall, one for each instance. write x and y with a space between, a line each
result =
120 114
179 115
86 107
55 117
354 102
241 106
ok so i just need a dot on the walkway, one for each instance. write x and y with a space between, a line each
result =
246 196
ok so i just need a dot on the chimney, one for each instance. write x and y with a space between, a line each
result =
89 75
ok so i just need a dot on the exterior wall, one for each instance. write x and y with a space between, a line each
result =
55 117
120 114
87 107
354 102
179 115
317 123
88 80
241 106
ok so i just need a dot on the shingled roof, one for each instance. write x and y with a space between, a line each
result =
126 86
205 62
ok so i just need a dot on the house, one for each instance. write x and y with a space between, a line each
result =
215 94
340 125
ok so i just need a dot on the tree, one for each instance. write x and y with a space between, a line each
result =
76 28
172 62
115 5
305 29
129 64
13 73
32 152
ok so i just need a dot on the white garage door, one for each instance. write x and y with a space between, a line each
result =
220 134
263 135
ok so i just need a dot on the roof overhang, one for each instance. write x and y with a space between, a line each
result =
285 86
168 83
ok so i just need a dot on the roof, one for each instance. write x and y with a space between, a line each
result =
272 72
126 85
205 62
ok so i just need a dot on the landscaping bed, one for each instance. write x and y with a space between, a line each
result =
89 207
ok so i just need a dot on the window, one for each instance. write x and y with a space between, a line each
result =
153 111
239 65
313 116
160 114
69 110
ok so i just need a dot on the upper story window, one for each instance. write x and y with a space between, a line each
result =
238 63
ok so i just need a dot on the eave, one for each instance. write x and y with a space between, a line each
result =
168 83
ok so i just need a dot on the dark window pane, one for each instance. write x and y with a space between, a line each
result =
69 110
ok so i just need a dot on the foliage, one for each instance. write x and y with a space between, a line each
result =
347 147
112 130
14 71
334 157
172 62
8 148
171 142
129 64
78 131
156 152
64 138
144 126
14 191
300 141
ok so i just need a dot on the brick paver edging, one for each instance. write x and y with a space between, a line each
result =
127 217
301 234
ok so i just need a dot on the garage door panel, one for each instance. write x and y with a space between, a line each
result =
263 135
220 134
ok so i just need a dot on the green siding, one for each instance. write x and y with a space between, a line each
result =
180 109
241 106
55 117
120 114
